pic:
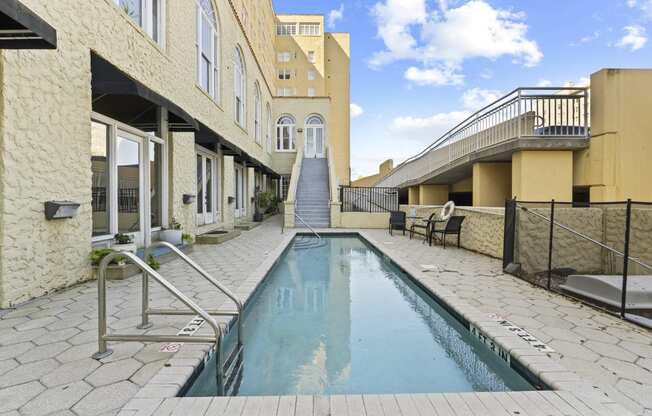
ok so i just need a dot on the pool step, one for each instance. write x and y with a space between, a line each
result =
232 371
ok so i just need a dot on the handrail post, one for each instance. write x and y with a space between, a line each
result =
628 220
550 243
518 117
144 305
102 350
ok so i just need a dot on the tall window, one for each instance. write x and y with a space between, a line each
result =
208 62
286 29
148 14
285 134
311 92
284 56
312 75
268 141
312 58
258 115
309 29
284 74
240 86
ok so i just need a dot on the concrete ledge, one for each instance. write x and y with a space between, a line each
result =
217 237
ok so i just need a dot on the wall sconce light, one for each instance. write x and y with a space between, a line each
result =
299 130
231 199
56 210
188 199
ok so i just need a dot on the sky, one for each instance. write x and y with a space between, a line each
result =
418 67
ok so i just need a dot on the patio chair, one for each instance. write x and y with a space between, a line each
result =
396 221
425 225
453 227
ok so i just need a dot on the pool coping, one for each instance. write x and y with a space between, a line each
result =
182 368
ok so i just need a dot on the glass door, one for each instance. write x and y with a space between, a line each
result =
130 209
206 189
310 142
240 208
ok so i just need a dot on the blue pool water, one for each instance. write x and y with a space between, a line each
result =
339 319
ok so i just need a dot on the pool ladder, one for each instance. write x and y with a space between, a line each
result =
228 373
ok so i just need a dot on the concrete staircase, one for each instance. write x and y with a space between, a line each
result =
313 194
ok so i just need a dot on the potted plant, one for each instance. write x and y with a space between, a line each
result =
172 234
258 215
124 242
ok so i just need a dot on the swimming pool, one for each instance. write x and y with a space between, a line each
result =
338 318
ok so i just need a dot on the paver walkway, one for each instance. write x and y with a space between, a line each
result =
46 344
616 356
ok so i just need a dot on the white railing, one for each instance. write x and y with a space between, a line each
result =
542 113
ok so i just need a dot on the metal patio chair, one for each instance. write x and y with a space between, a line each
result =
453 227
396 221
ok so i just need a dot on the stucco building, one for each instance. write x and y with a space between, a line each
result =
149 111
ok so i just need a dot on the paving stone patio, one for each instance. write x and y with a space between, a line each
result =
46 344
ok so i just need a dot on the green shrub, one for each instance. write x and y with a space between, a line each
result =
153 262
98 254
123 238
187 238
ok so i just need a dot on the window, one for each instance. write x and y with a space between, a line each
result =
285 134
311 57
240 86
311 92
284 56
284 74
285 92
147 14
309 29
101 200
207 49
258 114
312 75
286 29
285 185
268 141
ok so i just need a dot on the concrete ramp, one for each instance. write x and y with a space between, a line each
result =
608 289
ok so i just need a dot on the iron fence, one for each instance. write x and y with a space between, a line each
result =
362 199
599 253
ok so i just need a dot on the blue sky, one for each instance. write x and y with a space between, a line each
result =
420 66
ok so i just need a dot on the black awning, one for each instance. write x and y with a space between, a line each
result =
21 28
119 96
207 137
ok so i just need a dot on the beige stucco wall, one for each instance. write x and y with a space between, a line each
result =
45 126
433 194
542 175
364 220
492 184
482 229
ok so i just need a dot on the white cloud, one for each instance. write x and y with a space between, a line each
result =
434 76
477 98
335 15
449 36
581 82
634 39
645 6
544 83
356 111
427 129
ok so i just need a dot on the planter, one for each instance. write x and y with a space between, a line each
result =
217 237
173 237
258 217
129 247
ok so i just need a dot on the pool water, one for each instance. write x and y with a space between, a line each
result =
339 319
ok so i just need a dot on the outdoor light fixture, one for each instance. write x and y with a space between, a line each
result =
231 199
299 130
56 210
189 199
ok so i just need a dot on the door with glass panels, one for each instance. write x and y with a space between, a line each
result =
207 202
240 208
130 181
315 145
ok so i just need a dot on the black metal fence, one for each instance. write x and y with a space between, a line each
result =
599 254
361 199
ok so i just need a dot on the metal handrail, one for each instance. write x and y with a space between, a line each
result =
585 237
104 337
183 256
309 227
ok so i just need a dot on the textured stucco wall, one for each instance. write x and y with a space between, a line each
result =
569 251
364 220
183 179
482 230
640 238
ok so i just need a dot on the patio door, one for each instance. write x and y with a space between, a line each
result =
315 146
207 195
130 185
240 190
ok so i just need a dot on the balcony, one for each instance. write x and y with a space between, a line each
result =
525 119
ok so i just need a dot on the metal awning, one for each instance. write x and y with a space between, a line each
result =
121 97
207 137
21 28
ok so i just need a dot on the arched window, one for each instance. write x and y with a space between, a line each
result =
268 141
258 115
315 120
208 52
239 86
285 134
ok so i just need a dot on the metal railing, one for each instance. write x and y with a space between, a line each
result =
364 199
523 113
308 226
146 311
104 336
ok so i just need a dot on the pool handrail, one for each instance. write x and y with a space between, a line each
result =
146 311
104 337
309 227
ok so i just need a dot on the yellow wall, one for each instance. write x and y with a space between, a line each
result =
413 195
539 175
465 185
364 220
368 181
492 184
617 164
433 194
